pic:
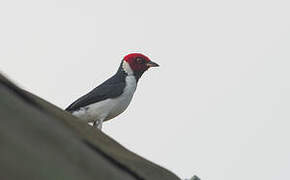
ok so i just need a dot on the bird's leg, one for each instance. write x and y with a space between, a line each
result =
98 124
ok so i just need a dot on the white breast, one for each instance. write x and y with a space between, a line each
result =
121 103
109 108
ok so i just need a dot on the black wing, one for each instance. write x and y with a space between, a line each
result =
111 88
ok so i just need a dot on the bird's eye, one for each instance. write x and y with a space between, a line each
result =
139 60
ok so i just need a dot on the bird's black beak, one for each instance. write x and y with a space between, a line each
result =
152 64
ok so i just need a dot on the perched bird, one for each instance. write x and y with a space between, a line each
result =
113 96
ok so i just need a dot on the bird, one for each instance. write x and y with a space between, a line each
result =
113 96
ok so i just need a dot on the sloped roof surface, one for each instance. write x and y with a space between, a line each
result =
40 141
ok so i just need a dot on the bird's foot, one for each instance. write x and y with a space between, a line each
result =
98 124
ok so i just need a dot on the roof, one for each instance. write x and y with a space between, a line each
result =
41 141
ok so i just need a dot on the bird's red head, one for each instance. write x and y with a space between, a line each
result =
139 62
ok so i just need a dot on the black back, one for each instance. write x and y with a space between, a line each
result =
111 88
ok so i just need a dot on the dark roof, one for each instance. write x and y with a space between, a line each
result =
40 141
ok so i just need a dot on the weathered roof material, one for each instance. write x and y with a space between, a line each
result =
40 141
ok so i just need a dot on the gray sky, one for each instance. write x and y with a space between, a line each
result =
217 107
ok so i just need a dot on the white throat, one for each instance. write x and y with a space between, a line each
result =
126 67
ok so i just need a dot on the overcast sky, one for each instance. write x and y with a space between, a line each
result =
218 105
